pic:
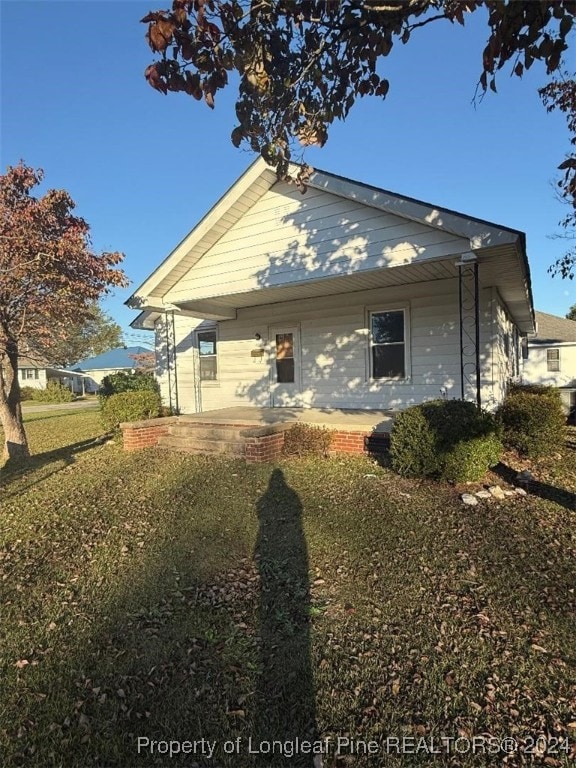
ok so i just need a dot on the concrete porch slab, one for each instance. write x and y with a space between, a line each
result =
334 418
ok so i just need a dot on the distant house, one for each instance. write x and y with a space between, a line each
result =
113 361
36 373
550 356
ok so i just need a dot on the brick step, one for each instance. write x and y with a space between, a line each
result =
198 445
205 431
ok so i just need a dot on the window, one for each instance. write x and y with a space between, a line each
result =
553 359
387 345
207 354
30 373
285 358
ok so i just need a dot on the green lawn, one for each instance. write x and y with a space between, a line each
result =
159 596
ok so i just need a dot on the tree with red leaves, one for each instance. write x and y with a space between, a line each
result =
560 94
301 64
49 279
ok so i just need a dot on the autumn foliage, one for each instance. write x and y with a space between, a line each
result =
49 278
302 64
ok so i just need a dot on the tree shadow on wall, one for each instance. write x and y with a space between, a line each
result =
285 705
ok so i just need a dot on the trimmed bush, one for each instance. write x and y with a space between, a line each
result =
55 392
469 460
413 444
307 440
26 393
532 419
126 381
447 439
129 406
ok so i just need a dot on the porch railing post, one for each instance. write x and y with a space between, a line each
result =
469 332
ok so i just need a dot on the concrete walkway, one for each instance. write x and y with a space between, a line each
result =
76 405
336 418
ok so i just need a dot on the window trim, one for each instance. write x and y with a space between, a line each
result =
375 310
210 329
555 360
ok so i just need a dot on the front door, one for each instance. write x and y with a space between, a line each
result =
285 384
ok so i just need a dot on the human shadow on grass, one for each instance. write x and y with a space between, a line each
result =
559 496
285 702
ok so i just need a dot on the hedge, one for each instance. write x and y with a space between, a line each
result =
532 419
130 406
445 439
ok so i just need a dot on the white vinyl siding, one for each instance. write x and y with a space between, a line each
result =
536 367
288 238
32 377
187 380
505 353
334 342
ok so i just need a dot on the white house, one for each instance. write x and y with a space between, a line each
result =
35 373
550 356
346 296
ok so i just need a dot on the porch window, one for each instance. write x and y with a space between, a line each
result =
553 359
207 353
285 358
388 344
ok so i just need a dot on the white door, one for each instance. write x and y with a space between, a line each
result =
285 386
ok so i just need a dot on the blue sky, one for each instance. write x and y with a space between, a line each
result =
144 168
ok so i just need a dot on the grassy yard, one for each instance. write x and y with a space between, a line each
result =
155 596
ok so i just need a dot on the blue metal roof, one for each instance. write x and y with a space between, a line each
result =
115 358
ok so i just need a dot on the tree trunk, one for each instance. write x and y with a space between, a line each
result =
15 440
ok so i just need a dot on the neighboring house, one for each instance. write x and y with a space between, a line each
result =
550 356
113 361
36 373
347 296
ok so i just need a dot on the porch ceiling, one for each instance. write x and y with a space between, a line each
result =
499 267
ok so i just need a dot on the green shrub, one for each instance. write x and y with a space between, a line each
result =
469 460
534 389
55 392
532 419
126 381
306 440
129 406
413 444
27 393
447 439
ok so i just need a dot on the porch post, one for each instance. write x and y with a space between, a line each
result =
170 333
469 311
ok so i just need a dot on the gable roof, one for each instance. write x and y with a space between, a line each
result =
115 358
552 329
493 240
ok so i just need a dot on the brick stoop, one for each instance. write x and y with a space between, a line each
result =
255 444
204 438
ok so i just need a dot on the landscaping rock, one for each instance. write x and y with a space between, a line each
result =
524 477
509 493
469 499
520 492
497 492
484 494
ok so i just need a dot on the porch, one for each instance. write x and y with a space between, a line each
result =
257 434
345 419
